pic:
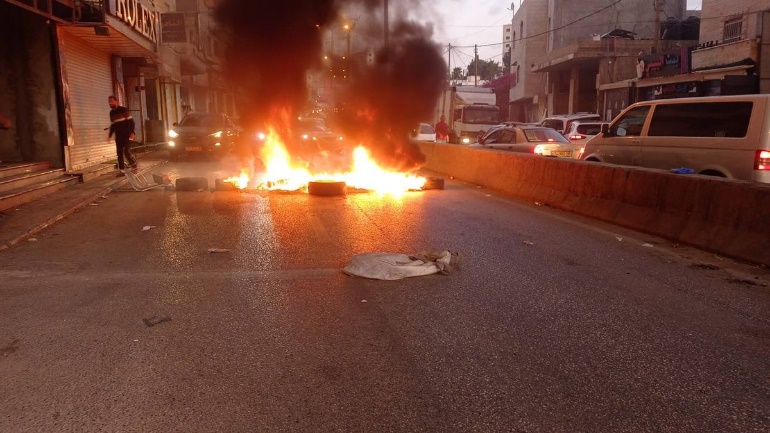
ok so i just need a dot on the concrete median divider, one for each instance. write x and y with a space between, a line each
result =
727 217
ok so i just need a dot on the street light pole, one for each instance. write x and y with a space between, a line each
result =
349 29
386 27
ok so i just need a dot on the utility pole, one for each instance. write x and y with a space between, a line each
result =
386 27
476 65
348 72
656 5
449 81
449 62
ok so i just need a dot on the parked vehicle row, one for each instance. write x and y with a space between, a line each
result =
725 136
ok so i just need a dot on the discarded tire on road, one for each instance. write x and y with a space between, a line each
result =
221 185
434 183
192 184
326 188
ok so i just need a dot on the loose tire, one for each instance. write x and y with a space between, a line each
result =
192 184
326 188
434 183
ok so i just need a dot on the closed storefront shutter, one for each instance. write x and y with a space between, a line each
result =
89 80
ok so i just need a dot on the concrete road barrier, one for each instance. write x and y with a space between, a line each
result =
728 217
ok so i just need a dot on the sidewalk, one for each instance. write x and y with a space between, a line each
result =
28 219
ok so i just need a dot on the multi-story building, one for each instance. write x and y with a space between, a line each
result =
62 59
507 38
593 42
527 94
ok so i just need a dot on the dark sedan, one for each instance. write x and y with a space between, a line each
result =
202 134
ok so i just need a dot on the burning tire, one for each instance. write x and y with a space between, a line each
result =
221 185
192 184
434 183
326 188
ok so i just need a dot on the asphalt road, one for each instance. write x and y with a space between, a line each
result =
553 323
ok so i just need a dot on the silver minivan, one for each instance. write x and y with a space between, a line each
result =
726 136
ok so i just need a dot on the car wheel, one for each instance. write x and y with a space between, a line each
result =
326 188
434 183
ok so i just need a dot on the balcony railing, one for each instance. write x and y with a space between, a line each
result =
89 11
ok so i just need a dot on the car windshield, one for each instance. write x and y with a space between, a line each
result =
202 120
312 125
426 129
544 135
589 128
481 115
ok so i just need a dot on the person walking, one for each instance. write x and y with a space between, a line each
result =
122 126
442 130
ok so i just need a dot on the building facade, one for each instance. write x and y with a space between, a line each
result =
65 58
527 94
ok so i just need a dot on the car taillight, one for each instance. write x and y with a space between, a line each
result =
577 137
762 161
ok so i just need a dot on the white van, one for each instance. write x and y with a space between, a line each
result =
726 136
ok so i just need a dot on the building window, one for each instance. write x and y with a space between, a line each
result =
733 30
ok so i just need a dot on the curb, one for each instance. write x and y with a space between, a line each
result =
77 206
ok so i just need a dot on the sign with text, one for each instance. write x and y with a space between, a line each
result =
144 19
173 29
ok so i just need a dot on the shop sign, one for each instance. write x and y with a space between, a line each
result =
675 90
141 18
173 28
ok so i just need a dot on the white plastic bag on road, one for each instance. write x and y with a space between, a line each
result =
393 266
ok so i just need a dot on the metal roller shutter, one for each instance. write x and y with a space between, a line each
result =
89 76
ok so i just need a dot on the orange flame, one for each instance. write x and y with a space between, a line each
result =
291 174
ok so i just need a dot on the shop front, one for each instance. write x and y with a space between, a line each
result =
111 51
29 81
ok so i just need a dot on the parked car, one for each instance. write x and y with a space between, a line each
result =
530 139
580 132
725 136
316 132
201 134
424 132
563 122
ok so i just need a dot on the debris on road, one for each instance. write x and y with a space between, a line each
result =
32 240
218 250
528 243
154 320
619 238
146 228
648 245
363 301
93 204
394 266
192 184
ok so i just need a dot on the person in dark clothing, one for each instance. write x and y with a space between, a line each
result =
123 127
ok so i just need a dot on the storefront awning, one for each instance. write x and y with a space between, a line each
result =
703 75
113 37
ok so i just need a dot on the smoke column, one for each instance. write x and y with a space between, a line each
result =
271 45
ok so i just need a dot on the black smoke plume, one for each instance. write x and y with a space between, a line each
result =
272 44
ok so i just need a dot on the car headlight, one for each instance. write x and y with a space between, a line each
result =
217 134
171 144
172 133
539 149
466 140
305 136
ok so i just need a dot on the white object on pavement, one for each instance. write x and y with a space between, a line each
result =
393 266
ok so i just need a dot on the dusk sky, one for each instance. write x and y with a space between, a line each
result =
464 23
